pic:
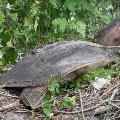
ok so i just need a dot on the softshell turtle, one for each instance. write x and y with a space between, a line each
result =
68 59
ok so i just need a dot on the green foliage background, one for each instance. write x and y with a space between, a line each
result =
27 24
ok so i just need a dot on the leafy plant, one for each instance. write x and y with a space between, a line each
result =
11 1
47 109
102 72
54 85
77 84
2 18
67 102
26 24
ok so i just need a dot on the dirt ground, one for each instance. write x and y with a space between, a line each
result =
89 106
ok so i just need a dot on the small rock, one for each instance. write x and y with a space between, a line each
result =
100 83
14 116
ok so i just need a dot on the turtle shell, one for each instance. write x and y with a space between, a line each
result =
68 59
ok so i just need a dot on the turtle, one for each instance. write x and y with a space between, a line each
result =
67 59
110 35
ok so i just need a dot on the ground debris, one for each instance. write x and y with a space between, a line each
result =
93 104
13 116
96 102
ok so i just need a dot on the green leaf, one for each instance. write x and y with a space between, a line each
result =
14 16
79 26
47 109
104 4
2 17
70 5
67 102
1 63
61 23
34 10
11 1
55 3
27 21
36 23
54 84
104 17
5 37
10 55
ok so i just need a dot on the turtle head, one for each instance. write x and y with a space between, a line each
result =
109 35
113 52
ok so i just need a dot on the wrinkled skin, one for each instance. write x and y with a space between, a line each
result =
110 35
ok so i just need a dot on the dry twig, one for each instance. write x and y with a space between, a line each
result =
81 105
